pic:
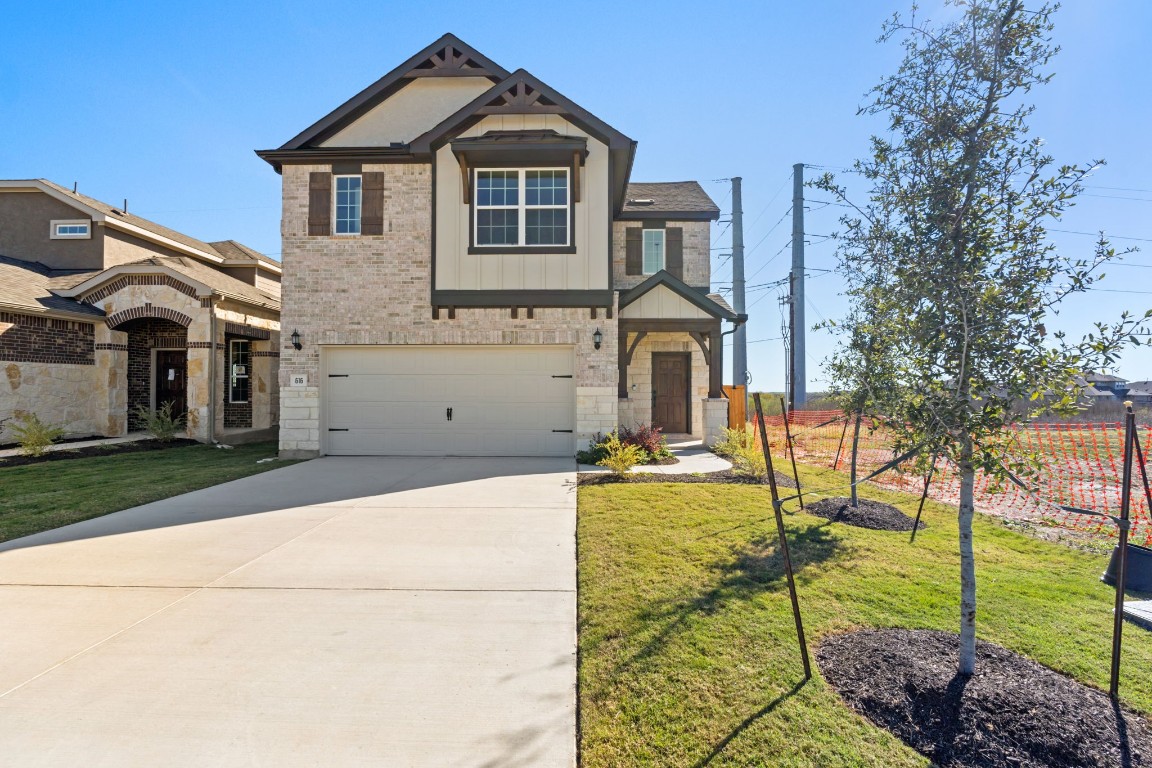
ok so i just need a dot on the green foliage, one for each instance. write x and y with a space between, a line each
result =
652 445
620 457
161 423
951 275
33 435
742 448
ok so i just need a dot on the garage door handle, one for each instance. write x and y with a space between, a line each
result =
563 430
565 376
334 429
449 414
337 375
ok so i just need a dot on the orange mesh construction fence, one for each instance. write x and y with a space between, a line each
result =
1082 467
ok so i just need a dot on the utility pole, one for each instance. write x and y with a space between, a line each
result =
798 394
792 346
740 338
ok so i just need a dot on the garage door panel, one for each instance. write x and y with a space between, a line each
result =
505 401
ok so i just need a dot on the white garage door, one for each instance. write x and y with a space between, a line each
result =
449 401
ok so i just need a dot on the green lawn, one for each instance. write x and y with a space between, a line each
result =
688 654
38 497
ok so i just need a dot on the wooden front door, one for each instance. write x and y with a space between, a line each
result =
171 380
670 381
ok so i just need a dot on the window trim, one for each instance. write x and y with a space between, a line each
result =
522 206
336 209
54 234
663 250
232 377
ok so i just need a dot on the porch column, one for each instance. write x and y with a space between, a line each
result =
622 365
715 362
201 348
111 401
262 382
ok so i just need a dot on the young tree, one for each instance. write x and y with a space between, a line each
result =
954 242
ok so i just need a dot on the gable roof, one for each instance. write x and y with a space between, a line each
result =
668 200
678 286
113 217
231 250
25 286
447 57
205 279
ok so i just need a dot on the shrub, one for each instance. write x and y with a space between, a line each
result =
33 435
742 448
621 456
595 451
647 437
160 423
734 439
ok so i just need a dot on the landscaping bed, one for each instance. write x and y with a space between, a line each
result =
1012 712
108 449
724 477
867 514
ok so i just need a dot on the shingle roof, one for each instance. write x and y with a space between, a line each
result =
721 301
215 279
668 197
1104 378
26 285
230 249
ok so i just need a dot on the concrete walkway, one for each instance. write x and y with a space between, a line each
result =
340 612
131 437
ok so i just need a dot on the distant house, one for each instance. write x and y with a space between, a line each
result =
1112 385
103 313
1140 392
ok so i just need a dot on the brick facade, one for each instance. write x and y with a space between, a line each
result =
31 339
145 335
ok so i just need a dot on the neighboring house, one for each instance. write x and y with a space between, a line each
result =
1103 382
471 271
102 312
1139 392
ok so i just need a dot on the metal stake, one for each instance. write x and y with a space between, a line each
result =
791 451
923 496
1122 564
783 539
843 434
1143 470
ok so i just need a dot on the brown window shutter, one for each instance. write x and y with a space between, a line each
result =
372 209
674 251
634 251
319 203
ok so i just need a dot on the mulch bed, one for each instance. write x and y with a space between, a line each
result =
1012 712
724 477
136 446
869 514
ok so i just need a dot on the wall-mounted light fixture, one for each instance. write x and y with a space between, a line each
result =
295 339
597 338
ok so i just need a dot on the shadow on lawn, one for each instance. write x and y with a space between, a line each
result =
753 568
747 722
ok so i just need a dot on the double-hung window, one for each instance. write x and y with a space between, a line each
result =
239 358
653 251
522 208
348 193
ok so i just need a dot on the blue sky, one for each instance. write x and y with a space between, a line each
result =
163 104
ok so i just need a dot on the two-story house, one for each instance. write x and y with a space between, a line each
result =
470 270
103 313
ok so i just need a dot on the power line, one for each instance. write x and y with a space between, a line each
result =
1097 234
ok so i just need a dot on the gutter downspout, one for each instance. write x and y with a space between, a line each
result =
212 370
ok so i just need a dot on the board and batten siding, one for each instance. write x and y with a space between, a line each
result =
414 109
587 269
663 304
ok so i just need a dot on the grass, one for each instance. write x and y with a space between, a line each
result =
687 647
39 497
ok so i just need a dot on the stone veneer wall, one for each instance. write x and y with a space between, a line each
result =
377 290
637 408
697 254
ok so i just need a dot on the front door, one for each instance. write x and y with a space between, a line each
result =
171 385
670 391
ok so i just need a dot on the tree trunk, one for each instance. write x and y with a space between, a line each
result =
967 562
855 449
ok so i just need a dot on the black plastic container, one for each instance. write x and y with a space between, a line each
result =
1139 568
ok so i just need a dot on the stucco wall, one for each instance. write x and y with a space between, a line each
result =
25 229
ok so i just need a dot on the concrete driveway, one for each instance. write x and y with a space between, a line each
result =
340 612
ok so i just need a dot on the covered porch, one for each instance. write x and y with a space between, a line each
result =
671 358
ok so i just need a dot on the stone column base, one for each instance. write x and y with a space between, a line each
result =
715 412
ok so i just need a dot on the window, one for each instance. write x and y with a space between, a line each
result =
522 208
79 229
348 191
239 354
653 251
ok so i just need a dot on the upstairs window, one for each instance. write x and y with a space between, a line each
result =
348 193
653 251
522 208
79 229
